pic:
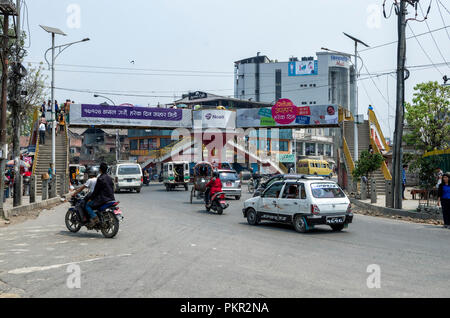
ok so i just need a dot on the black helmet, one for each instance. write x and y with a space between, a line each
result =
216 174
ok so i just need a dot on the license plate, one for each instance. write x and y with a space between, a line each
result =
229 184
338 220
117 211
222 202
129 180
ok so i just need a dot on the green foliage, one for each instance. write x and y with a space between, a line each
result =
428 117
429 121
367 164
425 168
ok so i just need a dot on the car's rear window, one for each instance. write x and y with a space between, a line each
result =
129 170
326 191
229 176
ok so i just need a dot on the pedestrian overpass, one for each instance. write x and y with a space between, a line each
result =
196 127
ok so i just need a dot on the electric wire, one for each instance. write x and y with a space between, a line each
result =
434 40
425 52
442 17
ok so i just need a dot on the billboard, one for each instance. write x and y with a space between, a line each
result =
213 118
301 68
285 114
99 115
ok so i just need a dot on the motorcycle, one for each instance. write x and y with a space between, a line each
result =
217 203
146 180
109 215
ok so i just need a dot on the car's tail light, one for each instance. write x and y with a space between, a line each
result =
142 179
315 209
349 209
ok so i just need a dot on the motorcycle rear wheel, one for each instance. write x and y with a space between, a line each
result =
110 225
73 224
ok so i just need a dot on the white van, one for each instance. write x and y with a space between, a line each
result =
176 174
126 176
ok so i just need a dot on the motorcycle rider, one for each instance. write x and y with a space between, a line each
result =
89 184
213 186
103 193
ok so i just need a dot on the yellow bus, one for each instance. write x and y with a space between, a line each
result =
315 167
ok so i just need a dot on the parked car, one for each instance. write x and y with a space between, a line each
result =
304 203
231 183
127 176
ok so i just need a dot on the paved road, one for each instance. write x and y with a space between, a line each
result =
167 247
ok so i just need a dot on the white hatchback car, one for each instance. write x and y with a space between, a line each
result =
305 203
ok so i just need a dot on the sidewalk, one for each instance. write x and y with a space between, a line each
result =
409 208
26 207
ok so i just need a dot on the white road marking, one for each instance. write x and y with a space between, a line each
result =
27 270
61 242
84 244
50 249
19 250
193 245
22 244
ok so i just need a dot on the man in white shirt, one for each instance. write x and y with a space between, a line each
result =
89 184
42 133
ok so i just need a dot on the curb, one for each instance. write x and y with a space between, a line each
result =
394 212
32 206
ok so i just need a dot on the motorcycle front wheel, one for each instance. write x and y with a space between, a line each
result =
110 225
73 224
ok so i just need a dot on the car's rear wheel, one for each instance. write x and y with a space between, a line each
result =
238 197
337 227
299 224
252 217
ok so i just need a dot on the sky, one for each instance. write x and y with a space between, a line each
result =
146 52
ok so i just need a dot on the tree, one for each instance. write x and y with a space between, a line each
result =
428 117
429 121
367 164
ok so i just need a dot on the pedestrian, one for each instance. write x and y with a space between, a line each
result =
439 175
370 149
43 109
42 133
404 181
444 199
56 108
62 121
49 105
50 171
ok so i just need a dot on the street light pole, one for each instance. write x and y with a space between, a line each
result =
61 48
355 92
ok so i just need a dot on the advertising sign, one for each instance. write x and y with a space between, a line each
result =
301 68
285 114
339 61
100 115
213 118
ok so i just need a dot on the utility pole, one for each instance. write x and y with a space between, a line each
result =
15 110
3 131
397 178
7 9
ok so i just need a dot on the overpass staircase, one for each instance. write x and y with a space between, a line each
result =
369 133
